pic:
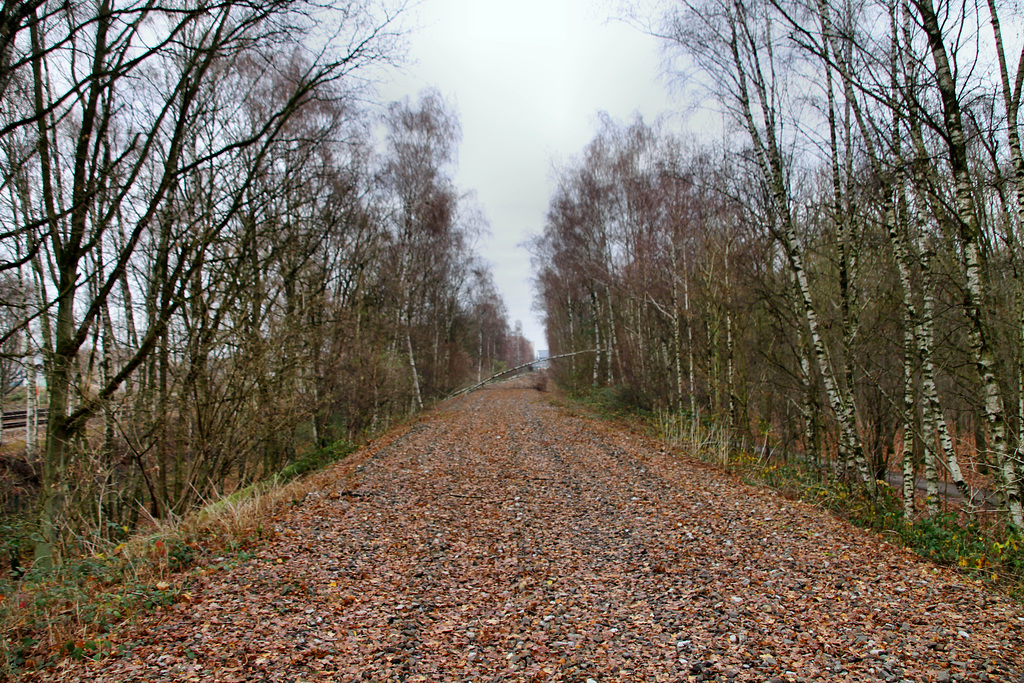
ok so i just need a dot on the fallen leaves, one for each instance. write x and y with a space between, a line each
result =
499 538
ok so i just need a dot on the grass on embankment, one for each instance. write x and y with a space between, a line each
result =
75 609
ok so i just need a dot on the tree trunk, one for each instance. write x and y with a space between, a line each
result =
975 293
677 333
417 395
909 423
31 401
612 350
770 159
597 335
1011 103
730 379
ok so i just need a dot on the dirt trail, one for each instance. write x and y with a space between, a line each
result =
500 538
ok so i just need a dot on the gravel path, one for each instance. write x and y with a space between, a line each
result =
500 538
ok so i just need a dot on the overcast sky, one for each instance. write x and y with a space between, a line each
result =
527 79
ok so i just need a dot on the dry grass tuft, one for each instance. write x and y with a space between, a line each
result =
709 442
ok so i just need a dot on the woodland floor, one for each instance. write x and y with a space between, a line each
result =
501 538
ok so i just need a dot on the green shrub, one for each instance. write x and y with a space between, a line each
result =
316 460
15 542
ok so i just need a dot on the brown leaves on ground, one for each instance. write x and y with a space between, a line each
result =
500 539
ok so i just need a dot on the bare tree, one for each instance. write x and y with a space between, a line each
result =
113 147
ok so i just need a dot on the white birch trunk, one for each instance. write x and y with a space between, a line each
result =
729 367
480 349
921 328
769 159
1020 380
31 401
572 336
909 405
975 292
689 340
931 478
612 348
1011 103
934 421
412 366
677 339
597 334
808 404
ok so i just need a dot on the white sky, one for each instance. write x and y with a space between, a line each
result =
527 78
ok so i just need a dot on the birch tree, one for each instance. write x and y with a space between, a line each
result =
737 44
968 231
